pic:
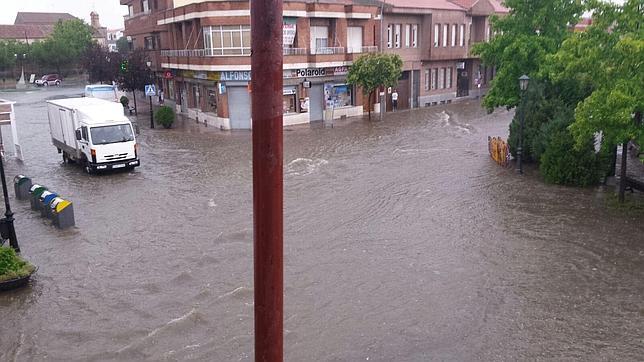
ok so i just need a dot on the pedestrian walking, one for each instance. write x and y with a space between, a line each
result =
161 99
394 100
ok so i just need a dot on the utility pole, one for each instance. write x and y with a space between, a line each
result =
266 88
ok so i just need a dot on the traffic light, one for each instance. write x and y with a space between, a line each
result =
124 65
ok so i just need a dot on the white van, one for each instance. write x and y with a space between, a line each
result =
92 132
102 91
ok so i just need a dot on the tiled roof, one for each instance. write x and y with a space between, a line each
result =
424 4
25 31
498 6
468 4
23 18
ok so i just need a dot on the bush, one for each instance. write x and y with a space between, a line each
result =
563 164
125 101
12 266
164 116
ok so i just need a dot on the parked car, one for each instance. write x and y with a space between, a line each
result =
49 79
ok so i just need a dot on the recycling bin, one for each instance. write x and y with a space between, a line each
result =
62 213
36 191
45 199
21 185
39 202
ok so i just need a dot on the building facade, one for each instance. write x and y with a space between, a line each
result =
434 38
200 53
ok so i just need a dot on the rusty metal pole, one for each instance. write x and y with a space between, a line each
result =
266 91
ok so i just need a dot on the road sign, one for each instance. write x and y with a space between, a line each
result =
150 90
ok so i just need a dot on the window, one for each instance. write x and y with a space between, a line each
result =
445 30
441 78
130 10
407 35
436 35
111 134
426 79
319 39
397 35
453 43
149 42
434 76
444 75
489 33
145 6
390 36
354 41
461 37
227 40
84 133
449 77
414 35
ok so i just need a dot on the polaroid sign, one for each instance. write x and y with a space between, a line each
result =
311 72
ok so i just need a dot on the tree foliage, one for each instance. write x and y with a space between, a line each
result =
64 47
8 51
608 57
373 71
123 45
531 31
102 66
135 75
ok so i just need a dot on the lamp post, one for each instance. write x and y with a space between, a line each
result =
149 64
7 229
523 85
21 84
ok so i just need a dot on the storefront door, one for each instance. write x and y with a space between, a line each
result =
462 83
184 99
316 102
239 106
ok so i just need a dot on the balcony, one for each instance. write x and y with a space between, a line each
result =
136 15
327 50
185 53
295 51
366 49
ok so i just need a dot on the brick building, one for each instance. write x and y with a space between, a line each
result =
434 39
200 52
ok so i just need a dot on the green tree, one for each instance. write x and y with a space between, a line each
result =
101 65
608 57
532 30
123 45
65 46
373 71
134 73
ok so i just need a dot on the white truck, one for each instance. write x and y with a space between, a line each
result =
92 132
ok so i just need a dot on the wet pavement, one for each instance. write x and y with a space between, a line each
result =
403 241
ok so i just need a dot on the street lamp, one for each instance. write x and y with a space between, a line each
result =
149 64
7 230
523 85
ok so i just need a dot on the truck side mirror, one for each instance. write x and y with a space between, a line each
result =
78 134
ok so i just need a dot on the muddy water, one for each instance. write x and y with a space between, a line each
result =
403 242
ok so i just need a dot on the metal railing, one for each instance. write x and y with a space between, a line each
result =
185 53
364 49
295 51
136 15
328 50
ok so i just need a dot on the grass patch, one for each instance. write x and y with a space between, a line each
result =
12 266
631 205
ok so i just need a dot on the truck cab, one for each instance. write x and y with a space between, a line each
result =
107 146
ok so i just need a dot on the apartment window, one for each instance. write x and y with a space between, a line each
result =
145 6
434 76
397 35
130 10
453 43
354 41
390 36
407 35
149 42
461 37
449 78
414 36
436 34
227 40
426 79
319 39
445 30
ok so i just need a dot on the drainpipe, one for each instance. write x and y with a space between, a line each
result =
266 88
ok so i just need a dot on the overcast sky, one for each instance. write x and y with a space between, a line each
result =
110 11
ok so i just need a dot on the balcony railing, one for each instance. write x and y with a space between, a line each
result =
295 51
136 15
327 50
184 53
365 49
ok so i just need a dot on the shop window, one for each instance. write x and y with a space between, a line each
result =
338 95
289 100
212 101
426 79
227 40
171 93
441 78
448 77
434 76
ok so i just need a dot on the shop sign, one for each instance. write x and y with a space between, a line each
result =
168 74
200 75
310 72
460 65
341 70
235 76
316 72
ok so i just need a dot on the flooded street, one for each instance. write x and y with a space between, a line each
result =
403 241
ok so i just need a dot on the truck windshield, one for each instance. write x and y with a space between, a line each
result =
111 134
